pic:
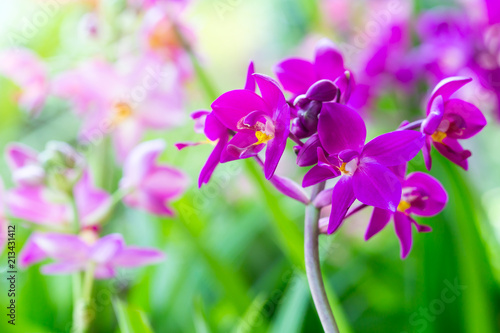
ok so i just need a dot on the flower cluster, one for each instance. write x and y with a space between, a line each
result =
330 137
54 192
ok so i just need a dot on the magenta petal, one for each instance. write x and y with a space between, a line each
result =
214 129
378 221
213 161
276 146
271 94
317 175
434 195
431 123
446 88
402 225
250 82
340 128
324 198
328 61
236 104
65 267
453 151
289 188
93 203
62 247
426 152
242 145
106 248
31 253
346 85
473 118
394 148
296 75
377 186
308 155
19 155
104 271
342 199
133 256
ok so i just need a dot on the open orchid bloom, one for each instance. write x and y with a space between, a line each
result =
146 96
449 120
73 253
363 168
28 72
258 121
422 195
151 186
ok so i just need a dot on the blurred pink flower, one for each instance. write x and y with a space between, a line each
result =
139 94
74 253
27 71
161 34
24 165
41 205
151 186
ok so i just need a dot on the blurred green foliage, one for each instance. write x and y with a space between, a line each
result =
234 252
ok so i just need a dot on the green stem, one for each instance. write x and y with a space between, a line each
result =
313 267
76 217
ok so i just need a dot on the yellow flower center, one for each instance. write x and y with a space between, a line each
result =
403 206
122 111
343 170
438 136
263 137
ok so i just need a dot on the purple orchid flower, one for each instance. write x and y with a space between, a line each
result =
74 253
297 75
363 168
257 121
449 120
148 185
423 195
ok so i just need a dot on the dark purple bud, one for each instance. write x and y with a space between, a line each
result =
345 83
308 152
298 129
322 91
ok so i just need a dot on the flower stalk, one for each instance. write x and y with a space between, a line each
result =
313 267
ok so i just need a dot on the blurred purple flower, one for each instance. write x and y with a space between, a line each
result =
148 185
422 195
24 165
42 205
140 94
363 168
72 253
28 72
448 120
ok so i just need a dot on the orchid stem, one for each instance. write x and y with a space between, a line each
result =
295 139
411 126
313 267
76 218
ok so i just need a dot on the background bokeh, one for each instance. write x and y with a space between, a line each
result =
234 251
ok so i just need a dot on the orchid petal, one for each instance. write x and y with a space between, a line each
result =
402 225
235 105
452 150
435 196
250 81
317 175
296 75
473 118
106 248
431 123
377 186
133 256
394 148
380 218
340 128
213 161
307 155
289 188
271 93
342 198
328 62
446 88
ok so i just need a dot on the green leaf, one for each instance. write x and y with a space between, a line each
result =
131 319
